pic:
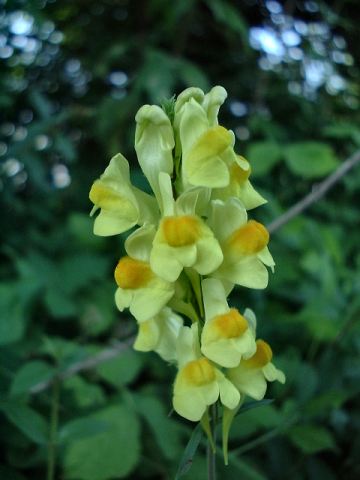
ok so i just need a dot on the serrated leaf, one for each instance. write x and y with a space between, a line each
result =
310 159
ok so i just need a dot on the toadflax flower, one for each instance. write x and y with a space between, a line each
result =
139 288
244 245
199 383
239 187
207 148
226 337
159 334
154 142
122 205
251 375
192 244
182 239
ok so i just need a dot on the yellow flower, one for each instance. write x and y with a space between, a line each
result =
199 383
154 142
244 245
139 288
159 334
122 205
207 148
239 187
226 337
251 375
183 239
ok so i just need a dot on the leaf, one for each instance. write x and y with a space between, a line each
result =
12 314
84 394
310 159
247 472
311 439
230 16
263 156
255 404
343 130
121 370
164 429
321 404
81 428
189 452
30 422
29 375
191 74
109 454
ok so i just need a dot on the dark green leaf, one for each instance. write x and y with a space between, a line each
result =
31 423
29 375
109 454
189 452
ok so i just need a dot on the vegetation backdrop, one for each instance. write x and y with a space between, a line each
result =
73 74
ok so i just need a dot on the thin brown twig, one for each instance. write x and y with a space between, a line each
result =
86 364
317 192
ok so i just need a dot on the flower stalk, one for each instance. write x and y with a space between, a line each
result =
193 243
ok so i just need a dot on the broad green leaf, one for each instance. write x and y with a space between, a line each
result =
230 16
84 393
164 429
189 452
30 375
343 130
246 471
12 314
263 156
254 404
311 438
310 159
321 404
30 422
109 454
123 369
81 428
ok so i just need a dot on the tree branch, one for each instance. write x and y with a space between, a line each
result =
86 364
317 192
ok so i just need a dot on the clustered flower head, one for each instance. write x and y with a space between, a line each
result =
192 243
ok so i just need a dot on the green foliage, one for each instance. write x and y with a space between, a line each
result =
68 99
310 159
102 455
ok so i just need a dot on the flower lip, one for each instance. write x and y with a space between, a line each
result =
131 273
238 174
249 239
104 196
199 372
181 231
262 356
230 324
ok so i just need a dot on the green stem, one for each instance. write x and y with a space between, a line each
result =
54 420
211 453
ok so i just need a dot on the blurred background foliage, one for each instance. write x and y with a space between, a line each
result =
73 74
